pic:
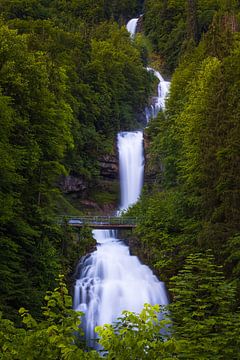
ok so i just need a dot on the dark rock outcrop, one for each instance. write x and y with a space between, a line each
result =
139 27
71 184
109 168
101 195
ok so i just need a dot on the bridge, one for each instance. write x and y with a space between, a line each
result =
99 222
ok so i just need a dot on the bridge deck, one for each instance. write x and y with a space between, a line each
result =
100 222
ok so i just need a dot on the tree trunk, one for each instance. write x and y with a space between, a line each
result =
192 21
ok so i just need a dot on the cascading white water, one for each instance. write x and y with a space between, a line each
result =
110 280
163 89
158 102
131 163
132 26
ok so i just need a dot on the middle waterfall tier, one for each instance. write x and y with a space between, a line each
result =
131 163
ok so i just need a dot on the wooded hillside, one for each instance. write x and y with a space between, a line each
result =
70 79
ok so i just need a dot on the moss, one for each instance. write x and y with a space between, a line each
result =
64 205
107 192
103 198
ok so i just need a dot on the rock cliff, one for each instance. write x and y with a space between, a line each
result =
100 198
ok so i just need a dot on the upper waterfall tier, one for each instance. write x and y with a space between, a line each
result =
132 26
158 102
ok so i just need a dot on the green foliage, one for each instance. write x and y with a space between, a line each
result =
192 149
137 336
165 235
205 323
193 143
49 102
208 148
176 27
55 337
35 134
144 46
75 244
122 10
165 25
70 78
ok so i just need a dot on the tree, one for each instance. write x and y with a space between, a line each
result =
204 320
138 336
55 337
192 21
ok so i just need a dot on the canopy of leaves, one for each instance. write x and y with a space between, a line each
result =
175 27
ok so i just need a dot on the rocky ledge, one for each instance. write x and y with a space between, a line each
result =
71 184
109 168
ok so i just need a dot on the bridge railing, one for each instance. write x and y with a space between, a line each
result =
98 220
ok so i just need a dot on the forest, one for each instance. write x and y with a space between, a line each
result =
71 78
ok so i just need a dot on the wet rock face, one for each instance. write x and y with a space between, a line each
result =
109 170
109 167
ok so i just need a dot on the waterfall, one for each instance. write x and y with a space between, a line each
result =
131 163
110 280
132 26
158 102
163 89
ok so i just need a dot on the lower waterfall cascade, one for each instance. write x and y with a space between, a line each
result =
110 280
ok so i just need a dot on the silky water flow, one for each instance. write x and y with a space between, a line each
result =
110 280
